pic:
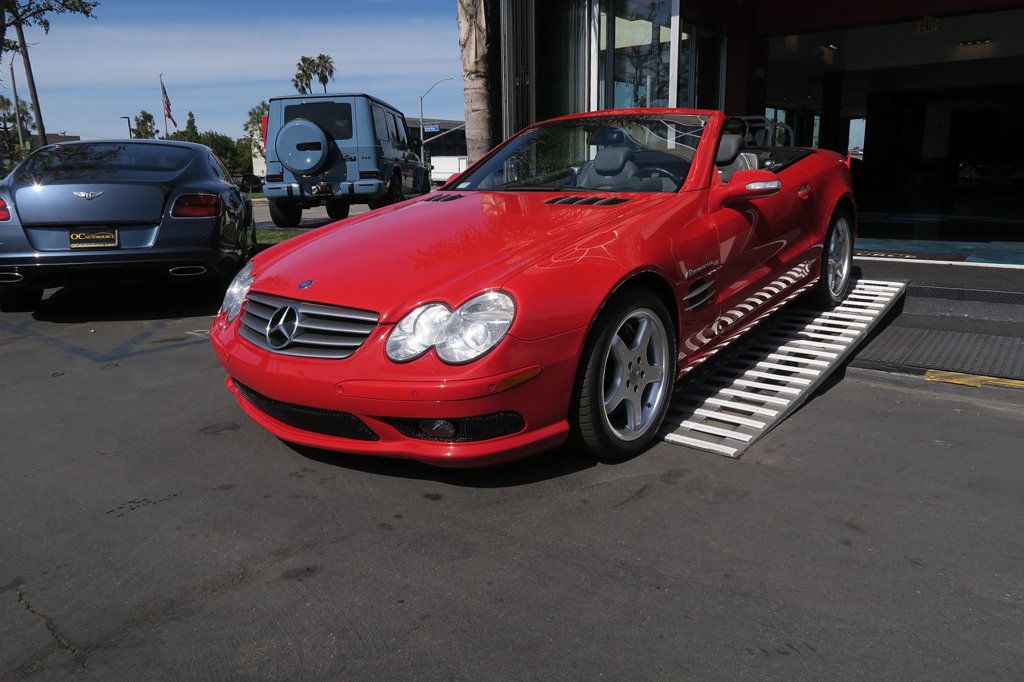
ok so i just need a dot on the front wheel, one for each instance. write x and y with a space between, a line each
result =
626 377
836 262
393 195
20 300
285 213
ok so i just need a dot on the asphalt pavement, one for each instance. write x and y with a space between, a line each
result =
149 530
311 217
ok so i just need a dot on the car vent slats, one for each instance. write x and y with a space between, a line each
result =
322 331
701 293
587 201
443 197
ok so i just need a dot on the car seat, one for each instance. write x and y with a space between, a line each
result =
731 157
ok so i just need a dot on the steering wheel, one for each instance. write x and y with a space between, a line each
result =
650 171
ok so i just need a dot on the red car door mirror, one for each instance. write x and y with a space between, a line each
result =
745 185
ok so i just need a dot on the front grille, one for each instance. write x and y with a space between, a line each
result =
314 419
467 429
323 331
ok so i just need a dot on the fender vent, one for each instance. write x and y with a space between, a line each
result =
587 201
443 197
701 293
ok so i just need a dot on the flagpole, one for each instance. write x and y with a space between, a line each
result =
162 107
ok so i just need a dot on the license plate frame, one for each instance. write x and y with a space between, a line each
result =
93 237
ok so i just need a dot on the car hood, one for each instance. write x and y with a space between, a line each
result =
427 250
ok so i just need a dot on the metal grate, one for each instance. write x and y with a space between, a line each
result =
960 294
443 197
984 354
748 389
313 419
587 201
323 331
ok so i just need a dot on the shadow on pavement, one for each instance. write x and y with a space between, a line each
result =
151 302
542 467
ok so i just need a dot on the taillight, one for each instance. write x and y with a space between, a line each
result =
5 211
196 206
369 175
264 126
275 177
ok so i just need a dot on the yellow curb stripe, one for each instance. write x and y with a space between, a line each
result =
974 380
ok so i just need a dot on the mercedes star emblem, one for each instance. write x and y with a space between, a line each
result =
306 284
88 196
282 327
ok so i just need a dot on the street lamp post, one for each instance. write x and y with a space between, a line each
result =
129 119
423 135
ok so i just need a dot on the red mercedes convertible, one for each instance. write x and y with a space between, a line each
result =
556 290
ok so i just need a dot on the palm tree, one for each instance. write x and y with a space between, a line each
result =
324 69
473 39
305 69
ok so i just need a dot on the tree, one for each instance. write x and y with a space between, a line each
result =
474 42
22 13
241 161
324 69
9 122
145 126
189 134
222 145
305 70
254 124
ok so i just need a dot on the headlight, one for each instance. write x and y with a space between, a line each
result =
235 295
466 334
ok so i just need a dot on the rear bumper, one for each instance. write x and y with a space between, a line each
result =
358 191
55 270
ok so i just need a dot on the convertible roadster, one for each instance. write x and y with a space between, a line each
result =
555 290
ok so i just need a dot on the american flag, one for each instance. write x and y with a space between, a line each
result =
167 103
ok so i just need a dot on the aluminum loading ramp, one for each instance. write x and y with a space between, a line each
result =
750 387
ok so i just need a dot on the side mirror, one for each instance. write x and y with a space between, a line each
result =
452 178
745 185
416 143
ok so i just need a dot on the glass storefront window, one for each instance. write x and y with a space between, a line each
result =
701 66
635 71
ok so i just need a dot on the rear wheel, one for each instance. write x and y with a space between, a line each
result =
338 209
20 300
836 262
626 378
285 213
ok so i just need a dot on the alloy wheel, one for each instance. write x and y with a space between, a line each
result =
840 260
633 375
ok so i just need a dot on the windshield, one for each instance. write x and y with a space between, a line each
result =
604 153
103 160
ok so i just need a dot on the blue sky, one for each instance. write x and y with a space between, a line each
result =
221 57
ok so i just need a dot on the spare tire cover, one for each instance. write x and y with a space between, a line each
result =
302 146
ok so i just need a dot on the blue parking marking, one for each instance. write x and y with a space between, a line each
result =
124 351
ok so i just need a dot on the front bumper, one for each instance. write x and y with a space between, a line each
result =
428 390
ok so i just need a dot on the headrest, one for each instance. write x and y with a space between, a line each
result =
611 160
609 137
729 148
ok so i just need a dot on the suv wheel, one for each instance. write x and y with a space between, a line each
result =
393 196
338 209
285 213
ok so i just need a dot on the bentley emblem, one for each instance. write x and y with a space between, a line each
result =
282 327
305 285
88 196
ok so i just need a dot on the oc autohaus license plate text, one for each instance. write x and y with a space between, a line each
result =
92 238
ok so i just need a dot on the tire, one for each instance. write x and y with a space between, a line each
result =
285 213
338 209
20 300
608 435
393 196
836 263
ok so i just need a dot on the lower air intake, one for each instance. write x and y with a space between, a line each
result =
313 419
467 429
